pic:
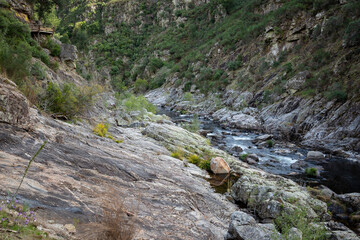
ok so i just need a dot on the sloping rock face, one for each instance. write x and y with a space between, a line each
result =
76 168
14 107
267 193
243 226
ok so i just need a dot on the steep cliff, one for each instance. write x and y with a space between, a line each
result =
295 63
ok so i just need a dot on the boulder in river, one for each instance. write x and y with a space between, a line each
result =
300 164
252 159
219 166
316 155
237 149
262 138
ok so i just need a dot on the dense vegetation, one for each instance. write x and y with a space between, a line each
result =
131 52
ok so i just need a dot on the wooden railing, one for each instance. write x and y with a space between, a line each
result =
38 28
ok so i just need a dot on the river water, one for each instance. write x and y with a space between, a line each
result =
339 174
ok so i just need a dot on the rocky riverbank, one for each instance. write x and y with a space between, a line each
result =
167 198
327 126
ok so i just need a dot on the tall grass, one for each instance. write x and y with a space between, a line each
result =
29 164
116 222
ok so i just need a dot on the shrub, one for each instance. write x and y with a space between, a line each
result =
194 159
155 64
244 156
139 103
101 129
233 65
270 143
52 46
337 94
320 5
311 172
179 154
117 221
310 228
188 97
194 125
140 85
352 34
38 71
117 84
68 101
205 164
320 58
187 86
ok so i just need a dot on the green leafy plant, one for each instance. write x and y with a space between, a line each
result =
310 228
179 154
140 85
138 103
270 143
101 129
194 159
311 172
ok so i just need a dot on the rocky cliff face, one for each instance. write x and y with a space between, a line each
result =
296 63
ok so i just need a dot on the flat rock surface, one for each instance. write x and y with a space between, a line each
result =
77 168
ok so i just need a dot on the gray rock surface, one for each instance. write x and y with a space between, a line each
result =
76 169
316 155
68 52
244 227
14 107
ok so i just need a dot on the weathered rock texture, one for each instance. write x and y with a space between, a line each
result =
76 168
14 107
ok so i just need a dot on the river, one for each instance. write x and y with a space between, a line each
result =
338 174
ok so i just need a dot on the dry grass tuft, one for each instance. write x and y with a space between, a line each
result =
116 222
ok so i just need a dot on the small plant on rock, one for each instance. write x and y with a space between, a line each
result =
270 143
179 154
311 172
101 129
194 159
310 228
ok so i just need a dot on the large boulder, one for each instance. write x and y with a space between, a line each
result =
351 199
14 107
270 195
315 155
244 227
68 52
219 166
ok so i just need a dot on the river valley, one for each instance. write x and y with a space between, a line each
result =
338 174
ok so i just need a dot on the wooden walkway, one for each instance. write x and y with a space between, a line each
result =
39 29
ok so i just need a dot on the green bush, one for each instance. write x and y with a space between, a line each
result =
310 228
140 85
352 34
320 58
117 84
68 101
53 47
139 103
179 154
188 97
320 5
155 64
38 71
194 159
205 164
194 125
311 172
270 143
337 94
101 129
